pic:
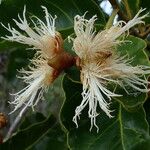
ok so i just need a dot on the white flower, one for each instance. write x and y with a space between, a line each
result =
100 64
38 78
40 75
42 37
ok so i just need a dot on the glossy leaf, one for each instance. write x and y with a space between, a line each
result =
130 8
134 49
29 137
126 131
65 10
127 126
145 4
32 119
53 139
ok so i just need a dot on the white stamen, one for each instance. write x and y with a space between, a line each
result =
40 75
41 36
101 65
38 79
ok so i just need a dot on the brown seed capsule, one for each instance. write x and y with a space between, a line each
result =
3 120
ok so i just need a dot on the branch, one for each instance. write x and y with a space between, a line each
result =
111 19
116 6
142 34
14 126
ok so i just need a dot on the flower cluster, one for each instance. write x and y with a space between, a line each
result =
97 58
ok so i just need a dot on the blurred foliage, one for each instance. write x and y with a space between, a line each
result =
52 127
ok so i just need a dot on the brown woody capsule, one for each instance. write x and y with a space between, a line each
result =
3 120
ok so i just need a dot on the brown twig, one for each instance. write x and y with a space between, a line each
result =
146 32
138 33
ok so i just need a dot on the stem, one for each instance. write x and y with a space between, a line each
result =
111 18
62 61
127 9
116 6
14 126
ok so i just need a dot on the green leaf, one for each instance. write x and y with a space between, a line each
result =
17 59
27 137
40 134
134 49
130 8
32 119
53 139
65 11
126 131
147 110
129 125
145 4
6 45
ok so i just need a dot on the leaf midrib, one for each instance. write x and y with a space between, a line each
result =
121 127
